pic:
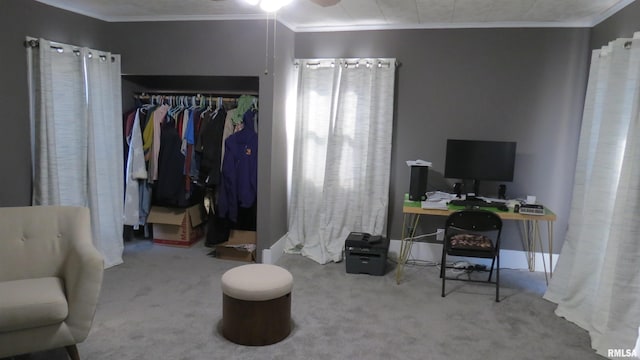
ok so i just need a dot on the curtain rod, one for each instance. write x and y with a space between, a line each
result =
347 62
34 43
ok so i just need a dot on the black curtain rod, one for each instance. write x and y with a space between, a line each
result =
36 44
32 43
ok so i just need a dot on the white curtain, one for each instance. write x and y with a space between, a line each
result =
596 283
77 136
341 154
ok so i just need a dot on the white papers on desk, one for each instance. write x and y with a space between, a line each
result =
442 204
439 195
418 162
489 199
437 200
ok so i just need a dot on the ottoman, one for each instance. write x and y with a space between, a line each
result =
256 304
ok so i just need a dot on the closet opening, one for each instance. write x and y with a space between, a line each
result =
191 161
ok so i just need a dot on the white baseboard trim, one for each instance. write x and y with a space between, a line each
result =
273 254
510 259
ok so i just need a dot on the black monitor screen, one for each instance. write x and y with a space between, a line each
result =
480 160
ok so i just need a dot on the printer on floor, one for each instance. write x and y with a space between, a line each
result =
366 254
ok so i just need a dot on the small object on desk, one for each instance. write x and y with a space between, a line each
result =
442 204
502 191
439 195
531 209
479 203
418 162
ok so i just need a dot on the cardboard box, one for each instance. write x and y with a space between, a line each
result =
241 246
177 226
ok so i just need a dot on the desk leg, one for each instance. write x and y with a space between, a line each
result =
406 242
532 238
529 244
550 239
539 238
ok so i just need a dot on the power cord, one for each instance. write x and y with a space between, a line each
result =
420 236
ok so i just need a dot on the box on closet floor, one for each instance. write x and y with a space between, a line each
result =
177 226
241 246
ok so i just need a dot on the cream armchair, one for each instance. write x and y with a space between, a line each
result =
50 278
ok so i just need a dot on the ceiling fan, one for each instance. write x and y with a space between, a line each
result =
276 4
325 3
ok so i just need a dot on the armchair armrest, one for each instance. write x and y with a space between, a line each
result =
82 272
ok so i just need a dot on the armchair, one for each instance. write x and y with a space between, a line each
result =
50 279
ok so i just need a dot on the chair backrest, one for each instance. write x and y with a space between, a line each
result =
474 220
35 240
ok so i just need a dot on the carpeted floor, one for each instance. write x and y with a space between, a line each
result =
166 303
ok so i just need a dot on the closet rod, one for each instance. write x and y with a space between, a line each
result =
233 94
146 96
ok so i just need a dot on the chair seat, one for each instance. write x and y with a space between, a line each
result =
466 234
471 242
31 303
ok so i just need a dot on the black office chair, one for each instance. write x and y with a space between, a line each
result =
473 233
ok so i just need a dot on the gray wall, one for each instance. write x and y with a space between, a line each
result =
282 73
525 85
18 19
621 24
206 48
505 84
224 48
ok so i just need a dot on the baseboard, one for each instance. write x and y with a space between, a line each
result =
511 259
273 254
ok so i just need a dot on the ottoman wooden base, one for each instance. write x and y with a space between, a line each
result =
256 323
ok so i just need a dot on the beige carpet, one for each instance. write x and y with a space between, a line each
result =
165 303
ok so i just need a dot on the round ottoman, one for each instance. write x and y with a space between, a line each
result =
256 304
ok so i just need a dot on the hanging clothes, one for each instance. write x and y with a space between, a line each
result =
169 189
245 102
239 186
209 144
180 141
136 170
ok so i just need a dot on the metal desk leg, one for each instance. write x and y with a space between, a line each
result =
550 239
532 236
406 242
539 238
529 244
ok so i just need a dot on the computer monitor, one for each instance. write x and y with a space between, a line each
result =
480 160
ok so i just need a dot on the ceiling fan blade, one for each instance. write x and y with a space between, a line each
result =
325 3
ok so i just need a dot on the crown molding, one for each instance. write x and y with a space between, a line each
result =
336 28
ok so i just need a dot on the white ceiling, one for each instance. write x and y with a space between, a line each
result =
303 15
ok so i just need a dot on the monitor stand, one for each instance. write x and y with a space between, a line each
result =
476 187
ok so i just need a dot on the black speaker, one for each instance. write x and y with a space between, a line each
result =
502 191
457 189
418 185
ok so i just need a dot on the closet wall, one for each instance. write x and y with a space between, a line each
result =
221 53
211 87
199 48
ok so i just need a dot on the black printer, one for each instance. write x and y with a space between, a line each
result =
366 254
